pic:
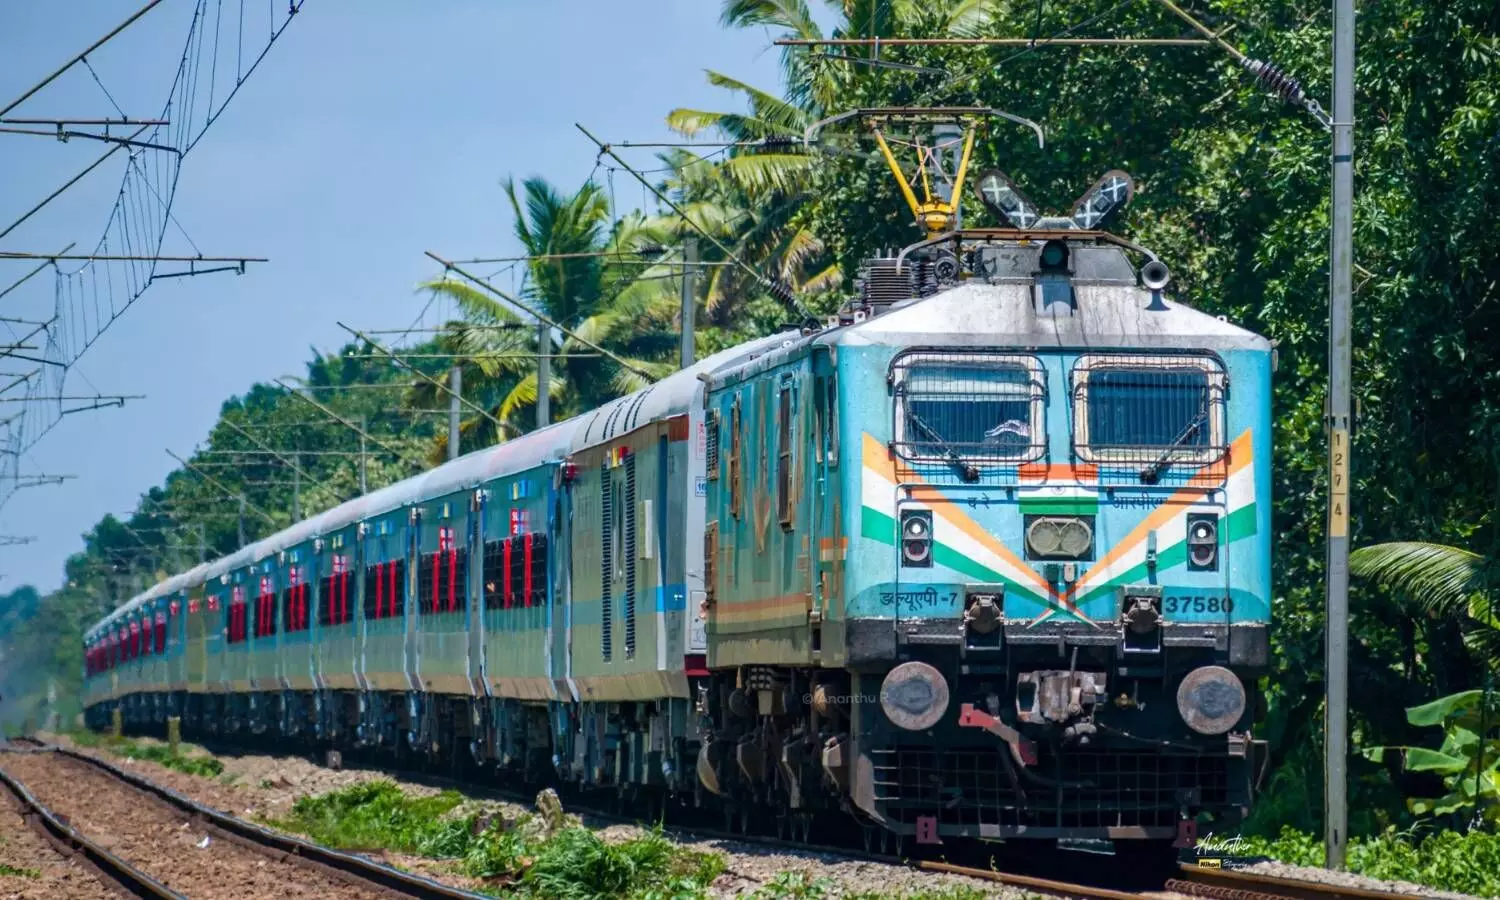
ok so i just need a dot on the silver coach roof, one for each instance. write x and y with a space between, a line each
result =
469 470
671 396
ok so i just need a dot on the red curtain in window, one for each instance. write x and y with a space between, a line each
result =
526 588
509 584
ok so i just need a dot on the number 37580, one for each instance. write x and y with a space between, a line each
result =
1198 603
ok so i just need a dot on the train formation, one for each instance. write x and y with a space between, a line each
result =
985 556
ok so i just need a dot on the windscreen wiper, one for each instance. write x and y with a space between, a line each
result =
1152 473
967 471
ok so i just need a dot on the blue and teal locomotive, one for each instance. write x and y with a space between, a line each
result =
986 556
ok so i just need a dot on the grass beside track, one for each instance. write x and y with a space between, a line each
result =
192 764
543 854
1468 863
546 854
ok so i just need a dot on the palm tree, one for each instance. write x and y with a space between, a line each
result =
584 275
758 224
1442 582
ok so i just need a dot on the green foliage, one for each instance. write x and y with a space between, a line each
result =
1468 760
378 815
793 886
566 861
13 871
200 765
575 864
1447 860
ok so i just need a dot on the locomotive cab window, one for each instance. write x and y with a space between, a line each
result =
973 406
1148 409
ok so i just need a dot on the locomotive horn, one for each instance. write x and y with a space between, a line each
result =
1155 275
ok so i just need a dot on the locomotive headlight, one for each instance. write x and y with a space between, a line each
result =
1059 537
916 537
1203 542
1211 700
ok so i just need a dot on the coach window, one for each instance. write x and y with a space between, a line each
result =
617 529
831 435
1155 410
736 455
969 405
784 455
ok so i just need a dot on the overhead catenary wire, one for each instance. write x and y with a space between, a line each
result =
775 288
395 358
346 423
291 461
80 57
1267 74
223 487
127 257
511 299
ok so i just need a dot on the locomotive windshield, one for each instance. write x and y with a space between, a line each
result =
973 406
1140 409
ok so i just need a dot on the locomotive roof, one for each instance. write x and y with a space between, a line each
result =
670 396
1106 316
1109 314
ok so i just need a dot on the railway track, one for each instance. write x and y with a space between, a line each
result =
115 874
1186 880
153 847
1231 884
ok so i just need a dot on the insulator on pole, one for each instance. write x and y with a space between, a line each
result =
1273 78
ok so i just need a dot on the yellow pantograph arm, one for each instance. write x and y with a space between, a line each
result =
890 159
963 168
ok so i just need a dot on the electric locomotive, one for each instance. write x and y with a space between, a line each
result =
984 556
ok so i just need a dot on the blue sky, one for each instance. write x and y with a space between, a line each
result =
374 130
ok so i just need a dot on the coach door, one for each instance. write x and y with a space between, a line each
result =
410 650
474 605
560 600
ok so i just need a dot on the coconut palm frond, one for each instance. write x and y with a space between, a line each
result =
766 107
796 251
522 396
968 18
830 279
478 306
1434 577
792 15
782 173
624 381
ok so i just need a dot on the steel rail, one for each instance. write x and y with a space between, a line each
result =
293 848
68 840
1043 885
1234 884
